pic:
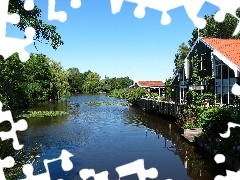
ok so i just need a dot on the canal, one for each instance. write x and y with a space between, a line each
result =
103 133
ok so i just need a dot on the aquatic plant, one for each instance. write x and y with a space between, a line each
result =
98 103
30 114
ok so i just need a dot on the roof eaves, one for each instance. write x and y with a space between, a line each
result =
193 46
228 62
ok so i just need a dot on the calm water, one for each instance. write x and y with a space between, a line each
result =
105 136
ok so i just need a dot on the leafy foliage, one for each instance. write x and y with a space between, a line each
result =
214 29
26 84
214 121
168 90
92 83
132 95
189 117
181 54
44 32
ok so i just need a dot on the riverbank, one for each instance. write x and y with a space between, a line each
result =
169 110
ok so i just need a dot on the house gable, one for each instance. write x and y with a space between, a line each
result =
227 50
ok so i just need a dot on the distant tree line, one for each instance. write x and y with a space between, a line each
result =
23 84
91 82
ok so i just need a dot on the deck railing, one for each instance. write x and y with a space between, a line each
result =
170 108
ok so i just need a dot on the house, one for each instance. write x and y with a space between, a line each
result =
151 86
220 59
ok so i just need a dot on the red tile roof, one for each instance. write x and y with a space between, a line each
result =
150 83
230 48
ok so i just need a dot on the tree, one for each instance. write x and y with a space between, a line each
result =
75 79
168 89
59 85
181 54
11 82
37 77
214 29
33 19
92 83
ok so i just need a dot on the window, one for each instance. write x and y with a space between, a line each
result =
218 72
204 61
225 99
224 71
231 73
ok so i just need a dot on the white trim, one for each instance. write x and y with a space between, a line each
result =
196 87
193 47
236 73
187 68
226 61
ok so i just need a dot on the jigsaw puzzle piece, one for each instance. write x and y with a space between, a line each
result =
7 162
159 5
9 46
75 4
192 8
66 166
229 175
236 89
220 158
6 18
227 133
21 125
29 5
137 167
28 171
225 7
54 15
87 173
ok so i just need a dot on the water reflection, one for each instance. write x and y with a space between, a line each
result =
196 166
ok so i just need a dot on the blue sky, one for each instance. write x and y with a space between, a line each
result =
117 45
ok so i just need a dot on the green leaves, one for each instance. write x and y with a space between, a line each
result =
25 84
132 95
215 29
181 54
44 32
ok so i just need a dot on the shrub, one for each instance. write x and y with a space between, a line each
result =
214 120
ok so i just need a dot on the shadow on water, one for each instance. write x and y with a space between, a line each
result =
197 167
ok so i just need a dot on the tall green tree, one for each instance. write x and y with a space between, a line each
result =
92 83
11 82
214 29
75 79
37 77
59 85
181 54
44 32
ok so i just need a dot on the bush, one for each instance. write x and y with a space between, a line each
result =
132 95
214 120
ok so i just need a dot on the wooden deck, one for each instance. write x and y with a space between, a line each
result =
163 107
